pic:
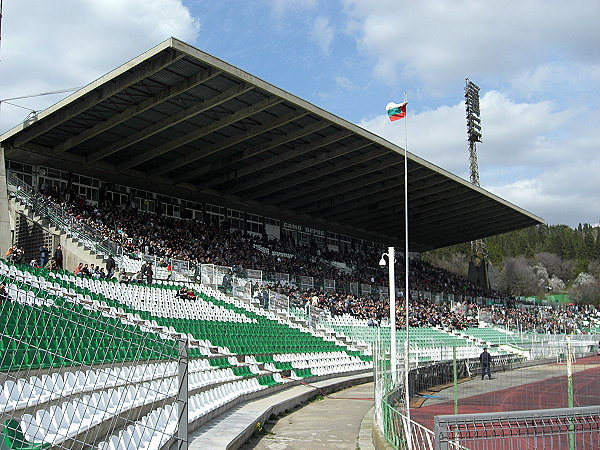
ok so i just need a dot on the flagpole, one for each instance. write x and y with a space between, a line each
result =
396 112
406 296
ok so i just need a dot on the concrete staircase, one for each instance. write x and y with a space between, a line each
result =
74 250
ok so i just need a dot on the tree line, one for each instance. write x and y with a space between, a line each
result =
538 260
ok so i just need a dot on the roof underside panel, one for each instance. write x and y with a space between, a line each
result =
180 122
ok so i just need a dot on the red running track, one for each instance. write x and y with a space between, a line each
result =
544 394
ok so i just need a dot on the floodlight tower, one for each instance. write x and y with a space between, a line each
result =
473 126
478 272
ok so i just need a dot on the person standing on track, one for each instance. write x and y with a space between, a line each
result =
486 361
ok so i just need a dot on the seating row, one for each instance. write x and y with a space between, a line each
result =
22 393
155 429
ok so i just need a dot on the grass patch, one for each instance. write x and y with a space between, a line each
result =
259 430
318 398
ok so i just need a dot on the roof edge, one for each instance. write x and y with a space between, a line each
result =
167 43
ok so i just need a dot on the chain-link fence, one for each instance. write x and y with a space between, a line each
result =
78 371
499 383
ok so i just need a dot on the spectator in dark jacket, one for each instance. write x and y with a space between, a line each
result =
486 361
44 256
110 267
58 256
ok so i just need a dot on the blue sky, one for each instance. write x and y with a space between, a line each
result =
536 62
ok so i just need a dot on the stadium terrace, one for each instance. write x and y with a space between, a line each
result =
239 227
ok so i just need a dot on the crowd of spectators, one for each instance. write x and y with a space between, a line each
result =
544 319
376 309
220 244
454 316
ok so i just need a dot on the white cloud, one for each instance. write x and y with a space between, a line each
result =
55 45
561 195
281 7
322 33
345 83
437 41
513 133
525 156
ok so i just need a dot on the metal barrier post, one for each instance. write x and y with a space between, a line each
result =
570 391
441 442
182 396
455 379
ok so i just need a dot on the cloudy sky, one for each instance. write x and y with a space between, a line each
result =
536 61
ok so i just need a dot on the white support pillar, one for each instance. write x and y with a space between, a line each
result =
5 231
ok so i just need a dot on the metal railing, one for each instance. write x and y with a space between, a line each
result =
61 219
536 383
563 428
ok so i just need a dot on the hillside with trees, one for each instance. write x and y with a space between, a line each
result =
535 261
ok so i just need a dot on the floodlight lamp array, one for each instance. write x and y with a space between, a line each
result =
473 112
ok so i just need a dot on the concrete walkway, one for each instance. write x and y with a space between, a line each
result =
233 428
333 422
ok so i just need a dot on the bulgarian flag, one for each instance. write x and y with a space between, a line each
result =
396 111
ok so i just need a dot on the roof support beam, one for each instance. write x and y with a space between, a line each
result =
294 181
392 197
132 111
482 217
293 168
347 206
280 158
415 217
205 131
479 225
355 189
211 149
454 209
345 183
416 202
250 153
441 239
367 219
96 96
227 143
202 131
176 118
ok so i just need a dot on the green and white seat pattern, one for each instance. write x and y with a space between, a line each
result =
112 346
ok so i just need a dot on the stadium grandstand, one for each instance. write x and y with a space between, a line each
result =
183 237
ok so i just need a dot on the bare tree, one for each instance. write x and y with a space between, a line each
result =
594 269
586 289
551 261
517 277
556 266
457 263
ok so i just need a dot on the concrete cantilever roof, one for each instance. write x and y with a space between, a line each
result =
180 122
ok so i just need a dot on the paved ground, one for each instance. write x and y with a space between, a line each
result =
332 422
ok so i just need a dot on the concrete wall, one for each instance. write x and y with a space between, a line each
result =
74 253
